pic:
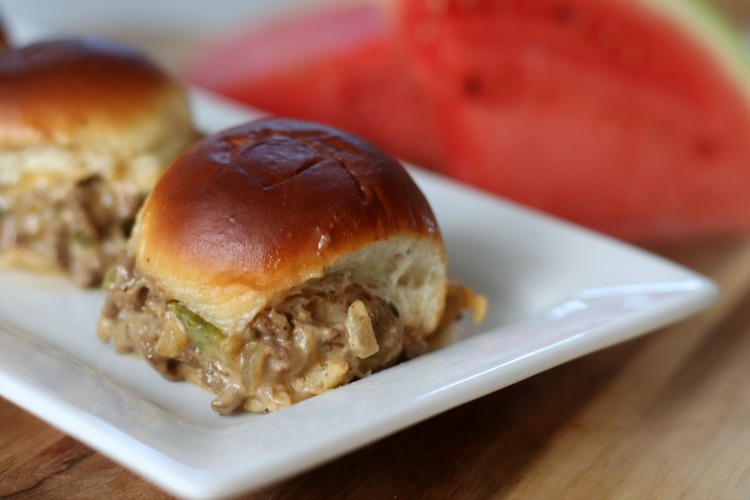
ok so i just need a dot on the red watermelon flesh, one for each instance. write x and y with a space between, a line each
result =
601 111
592 110
339 67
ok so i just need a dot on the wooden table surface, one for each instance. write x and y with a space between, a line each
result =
664 416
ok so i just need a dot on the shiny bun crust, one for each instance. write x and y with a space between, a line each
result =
84 106
246 215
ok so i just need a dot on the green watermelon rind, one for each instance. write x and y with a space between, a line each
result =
712 32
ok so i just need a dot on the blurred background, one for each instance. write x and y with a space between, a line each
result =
617 134
170 30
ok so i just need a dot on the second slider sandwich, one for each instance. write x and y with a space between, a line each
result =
86 128
279 259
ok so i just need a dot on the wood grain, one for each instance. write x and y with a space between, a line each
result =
666 415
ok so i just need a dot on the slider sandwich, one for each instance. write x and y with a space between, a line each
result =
277 260
86 128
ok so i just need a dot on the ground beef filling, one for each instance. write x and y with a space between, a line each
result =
78 227
311 342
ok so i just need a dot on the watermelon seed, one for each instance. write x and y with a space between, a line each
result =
563 13
472 86
704 147
571 18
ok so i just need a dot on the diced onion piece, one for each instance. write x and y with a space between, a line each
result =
459 297
230 398
322 377
174 340
362 339
477 304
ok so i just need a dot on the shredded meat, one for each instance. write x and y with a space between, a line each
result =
301 347
79 227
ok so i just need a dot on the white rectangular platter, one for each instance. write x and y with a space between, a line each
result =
556 292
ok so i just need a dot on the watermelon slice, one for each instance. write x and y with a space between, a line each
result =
606 114
628 116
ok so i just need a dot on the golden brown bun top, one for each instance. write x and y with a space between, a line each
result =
269 204
76 108
52 91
